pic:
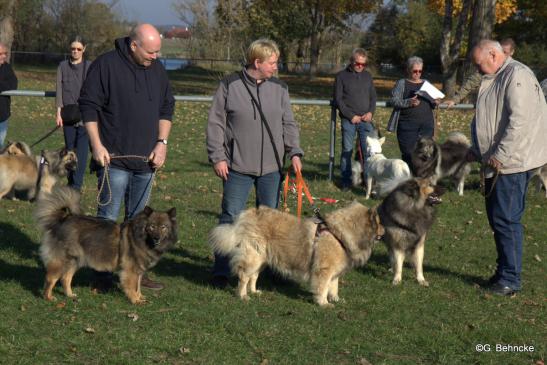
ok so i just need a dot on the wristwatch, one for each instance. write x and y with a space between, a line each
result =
164 141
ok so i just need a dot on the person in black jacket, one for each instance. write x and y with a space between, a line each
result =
355 97
127 107
8 81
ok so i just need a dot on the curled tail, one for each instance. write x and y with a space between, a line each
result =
223 239
458 138
402 174
55 207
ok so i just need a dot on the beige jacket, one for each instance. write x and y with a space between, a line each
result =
511 119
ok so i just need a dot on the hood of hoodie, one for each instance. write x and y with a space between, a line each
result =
123 49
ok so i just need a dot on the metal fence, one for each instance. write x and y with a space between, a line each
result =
208 99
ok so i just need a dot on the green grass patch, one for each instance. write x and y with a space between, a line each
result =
191 323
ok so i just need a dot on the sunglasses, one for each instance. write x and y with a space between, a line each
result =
359 64
76 49
416 71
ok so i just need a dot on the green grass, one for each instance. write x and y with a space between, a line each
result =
191 323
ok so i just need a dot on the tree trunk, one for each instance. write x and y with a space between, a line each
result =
482 24
315 49
450 48
6 26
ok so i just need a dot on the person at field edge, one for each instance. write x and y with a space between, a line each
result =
70 78
473 82
412 115
508 134
8 81
355 98
127 107
238 143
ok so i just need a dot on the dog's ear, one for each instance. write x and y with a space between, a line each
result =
172 213
63 151
147 210
382 140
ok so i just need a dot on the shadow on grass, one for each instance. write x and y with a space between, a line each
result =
378 266
16 241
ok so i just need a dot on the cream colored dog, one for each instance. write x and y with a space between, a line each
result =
296 248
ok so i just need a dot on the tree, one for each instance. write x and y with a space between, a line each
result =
199 17
6 24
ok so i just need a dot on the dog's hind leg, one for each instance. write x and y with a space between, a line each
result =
369 187
66 279
461 183
418 258
397 260
54 271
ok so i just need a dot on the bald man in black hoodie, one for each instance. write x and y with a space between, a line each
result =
127 107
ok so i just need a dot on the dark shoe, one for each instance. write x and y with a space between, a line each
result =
492 280
500 289
219 282
147 283
345 187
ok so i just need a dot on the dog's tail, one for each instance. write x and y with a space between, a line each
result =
55 207
223 239
402 174
458 138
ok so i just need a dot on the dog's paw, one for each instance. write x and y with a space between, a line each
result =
72 296
396 281
50 298
245 298
257 292
334 298
423 282
326 305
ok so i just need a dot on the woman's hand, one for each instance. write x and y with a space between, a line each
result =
414 101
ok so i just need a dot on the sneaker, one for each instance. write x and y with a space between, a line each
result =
219 282
146 282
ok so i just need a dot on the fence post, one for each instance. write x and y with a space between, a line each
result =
332 138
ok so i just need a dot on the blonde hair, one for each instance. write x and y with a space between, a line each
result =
261 50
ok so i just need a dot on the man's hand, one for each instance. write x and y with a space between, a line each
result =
101 155
221 169
58 121
356 119
449 103
414 101
296 164
367 117
495 164
158 155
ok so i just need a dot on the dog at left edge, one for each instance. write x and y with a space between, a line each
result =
71 240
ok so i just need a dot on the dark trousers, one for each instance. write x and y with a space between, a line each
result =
505 207
408 134
234 199
76 139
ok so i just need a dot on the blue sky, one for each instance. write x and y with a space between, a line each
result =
158 12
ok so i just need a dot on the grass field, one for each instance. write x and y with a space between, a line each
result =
191 323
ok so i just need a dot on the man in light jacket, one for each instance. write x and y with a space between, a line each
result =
509 133
239 144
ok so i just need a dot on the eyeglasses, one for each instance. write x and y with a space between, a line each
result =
416 71
76 49
359 64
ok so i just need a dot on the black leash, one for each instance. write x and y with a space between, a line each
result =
46 136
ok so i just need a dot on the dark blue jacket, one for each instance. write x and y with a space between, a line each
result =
8 81
127 100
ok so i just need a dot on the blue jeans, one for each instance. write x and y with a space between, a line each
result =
76 139
505 207
3 132
234 198
133 187
348 136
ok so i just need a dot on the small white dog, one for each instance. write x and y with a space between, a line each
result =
386 173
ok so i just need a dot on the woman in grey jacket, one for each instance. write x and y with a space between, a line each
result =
246 150
70 77
412 115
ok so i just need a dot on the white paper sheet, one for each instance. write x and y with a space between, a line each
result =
431 91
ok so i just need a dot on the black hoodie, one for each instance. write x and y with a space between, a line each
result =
127 100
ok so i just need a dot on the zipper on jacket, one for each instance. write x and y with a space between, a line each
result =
262 132
254 108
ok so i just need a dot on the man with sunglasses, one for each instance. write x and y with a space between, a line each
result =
355 97
127 107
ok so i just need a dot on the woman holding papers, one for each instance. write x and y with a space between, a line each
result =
413 100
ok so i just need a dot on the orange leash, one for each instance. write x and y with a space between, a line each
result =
300 186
